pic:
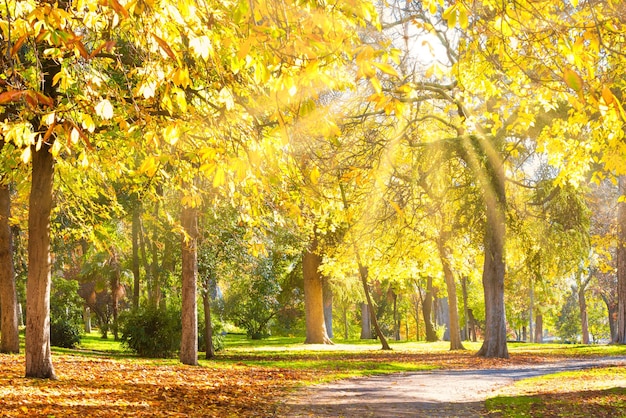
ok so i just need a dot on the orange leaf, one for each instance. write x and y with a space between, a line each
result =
17 45
165 47
573 80
43 99
11 96
107 45
115 5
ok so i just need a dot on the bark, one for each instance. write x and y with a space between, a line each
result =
366 323
427 308
154 266
611 308
538 328
453 312
208 325
465 308
135 243
9 329
620 335
582 304
494 344
115 293
87 319
396 318
328 307
189 255
363 272
38 355
314 297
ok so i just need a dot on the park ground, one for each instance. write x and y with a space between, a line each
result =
260 378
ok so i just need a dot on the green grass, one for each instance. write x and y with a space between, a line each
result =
599 392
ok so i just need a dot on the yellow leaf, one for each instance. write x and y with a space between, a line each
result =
315 175
376 84
181 77
386 68
104 109
26 155
88 123
219 177
171 134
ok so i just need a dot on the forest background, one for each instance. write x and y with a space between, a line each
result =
406 159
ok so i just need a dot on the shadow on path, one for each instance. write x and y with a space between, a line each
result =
438 393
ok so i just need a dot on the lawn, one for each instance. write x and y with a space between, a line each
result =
250 378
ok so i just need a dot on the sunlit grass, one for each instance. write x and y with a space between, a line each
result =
595 392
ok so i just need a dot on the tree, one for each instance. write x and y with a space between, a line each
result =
313 297
8 295
189 339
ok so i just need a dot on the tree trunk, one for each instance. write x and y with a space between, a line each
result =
612 315
115 293
154 266
314 297
9 330
38 355
189 255
427 308
396 318
346 324
366 324
494 344
465 308
582 304
538 328
620 336
87 319
363 272
453 312
328 306
135 243
208 325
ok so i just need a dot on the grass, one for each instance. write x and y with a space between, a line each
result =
597 392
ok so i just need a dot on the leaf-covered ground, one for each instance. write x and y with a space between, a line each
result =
242 381
89 387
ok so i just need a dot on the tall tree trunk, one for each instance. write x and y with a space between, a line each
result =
154 266
538 327
346 324
363 272
465 308
328 306
366 323
582 304
620 335
115 293
427 311
87 319
531 309
396 318
208 325
9 330
189 255
453 312
38 355
494 344
314 297
612 315
135 243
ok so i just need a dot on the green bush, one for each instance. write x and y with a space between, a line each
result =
152 332
217 337
64 334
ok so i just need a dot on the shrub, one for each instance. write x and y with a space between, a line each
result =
217 337
64 334
152 332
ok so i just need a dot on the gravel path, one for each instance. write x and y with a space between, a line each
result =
438 393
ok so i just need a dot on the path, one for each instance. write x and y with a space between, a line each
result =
438 393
